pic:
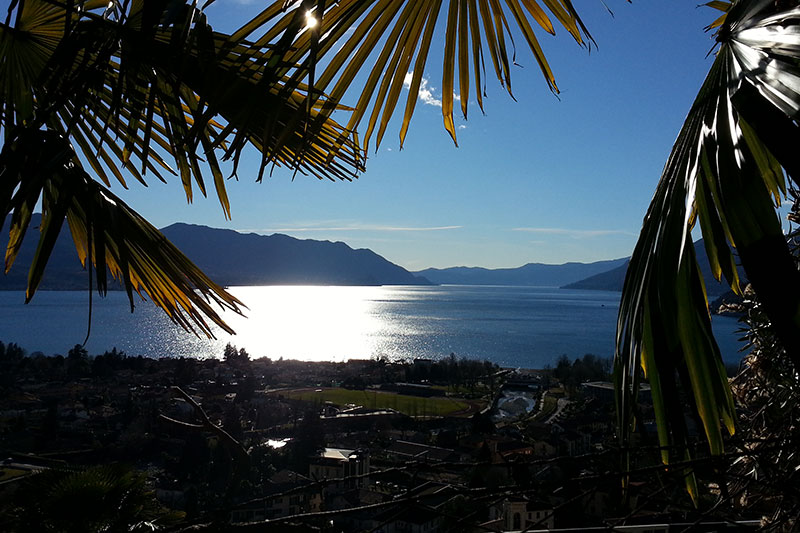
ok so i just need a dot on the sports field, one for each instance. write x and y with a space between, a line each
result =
410 405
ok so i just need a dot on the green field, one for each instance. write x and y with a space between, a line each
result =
410 405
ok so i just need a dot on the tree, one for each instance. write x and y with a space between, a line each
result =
78 362
238 359
11 354
727 170
563 368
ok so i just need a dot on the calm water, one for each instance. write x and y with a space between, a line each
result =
512 326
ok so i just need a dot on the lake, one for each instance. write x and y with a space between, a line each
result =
512 326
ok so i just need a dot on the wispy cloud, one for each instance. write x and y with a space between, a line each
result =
574 233
426 91
354 227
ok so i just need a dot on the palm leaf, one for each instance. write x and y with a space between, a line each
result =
108 234
210 95
400 34
99 498
138 88
159 92
727 170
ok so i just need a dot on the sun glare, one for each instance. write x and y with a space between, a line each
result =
311 20
308 323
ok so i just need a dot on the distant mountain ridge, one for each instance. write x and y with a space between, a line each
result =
252 259
531 274
233 258
614 279
229 258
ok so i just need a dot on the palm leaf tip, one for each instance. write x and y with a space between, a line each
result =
144 260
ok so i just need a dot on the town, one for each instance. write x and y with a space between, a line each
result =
364 445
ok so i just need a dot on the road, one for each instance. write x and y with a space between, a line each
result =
562 403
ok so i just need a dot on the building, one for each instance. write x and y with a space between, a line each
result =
286 493
520 513
339 463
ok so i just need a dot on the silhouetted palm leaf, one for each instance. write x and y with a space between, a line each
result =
153 79
102 498
143 87
727 170
39 165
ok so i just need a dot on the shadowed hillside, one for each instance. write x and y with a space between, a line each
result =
230 258
532 274
612 280
250 259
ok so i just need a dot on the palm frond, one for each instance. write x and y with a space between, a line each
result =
150 81
131 88
727 170
99 498
400 33
108 235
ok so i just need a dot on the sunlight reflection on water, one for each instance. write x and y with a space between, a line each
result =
512 326
307 322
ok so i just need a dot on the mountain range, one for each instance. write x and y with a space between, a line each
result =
231 258
532 274
234 258
613 279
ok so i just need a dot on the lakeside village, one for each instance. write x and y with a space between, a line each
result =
247 444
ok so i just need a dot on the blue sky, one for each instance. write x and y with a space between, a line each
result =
542 179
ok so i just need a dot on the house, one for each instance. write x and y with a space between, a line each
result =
339 463
286 493
425 515
517 513
414 389
359 419
414 519
544 448
574 443
510 448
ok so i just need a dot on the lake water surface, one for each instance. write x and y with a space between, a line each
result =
512 326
